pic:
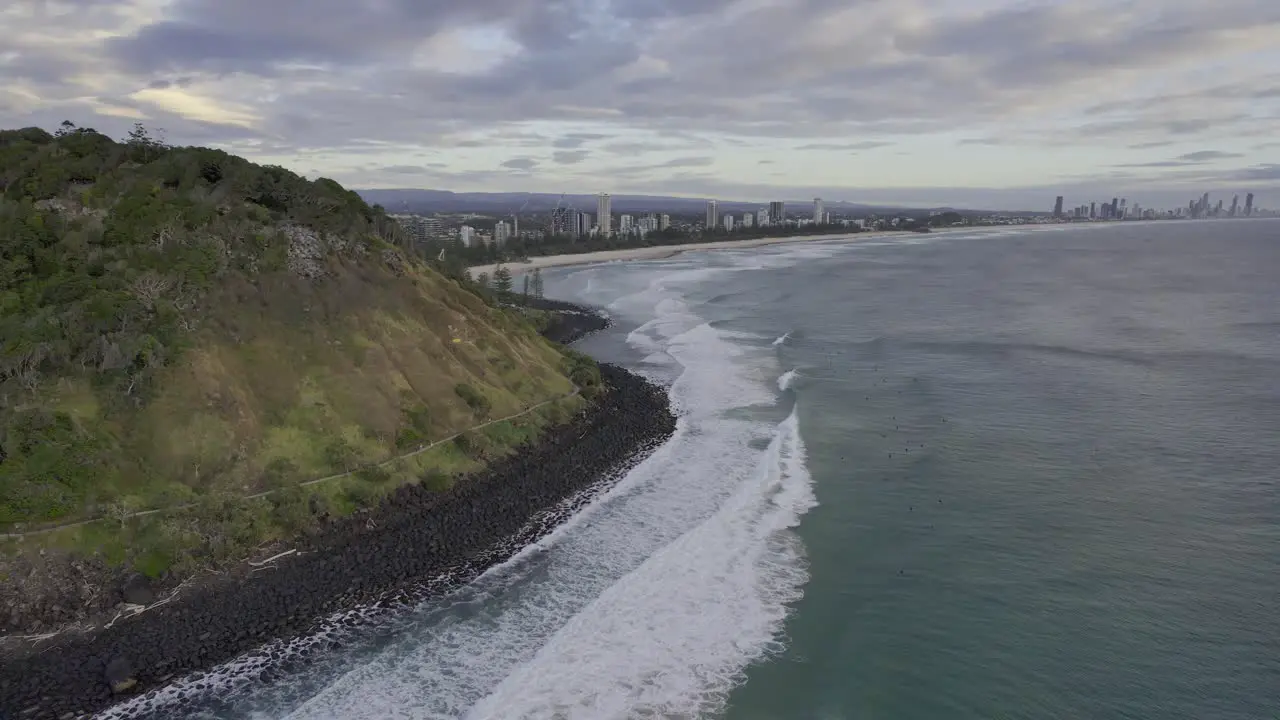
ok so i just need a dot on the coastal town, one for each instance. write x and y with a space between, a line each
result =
480 234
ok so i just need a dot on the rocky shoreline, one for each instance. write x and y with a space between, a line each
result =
417 544
570 322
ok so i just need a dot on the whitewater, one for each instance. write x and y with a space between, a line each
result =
650 601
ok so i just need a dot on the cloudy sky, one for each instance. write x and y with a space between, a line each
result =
994 103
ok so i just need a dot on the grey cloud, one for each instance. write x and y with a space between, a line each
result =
559 69
699 161
662 168
572 141
569 157
653 9
821 78
898 96
1262 89
404 169
170 46
865 145
1269 172
1150 126
520 163
1151 145
634 148
1193 158
1033 44
252 36
981 141
1158 164
1207 156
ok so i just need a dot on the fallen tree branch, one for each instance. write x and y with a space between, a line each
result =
273 558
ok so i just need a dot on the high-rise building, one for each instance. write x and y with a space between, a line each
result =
564 222
1093 210
501 233
1248 205
584 224
1057 207
664 222
728 221
1235 205
762 217
713 214
748 219
467 235
777 213
819 212
624 223
604 215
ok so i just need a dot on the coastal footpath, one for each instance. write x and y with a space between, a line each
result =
388 557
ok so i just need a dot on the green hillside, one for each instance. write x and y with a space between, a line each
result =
181 327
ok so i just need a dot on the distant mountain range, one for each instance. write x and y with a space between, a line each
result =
499 203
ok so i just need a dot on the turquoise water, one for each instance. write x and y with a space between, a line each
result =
1005 474
1045 466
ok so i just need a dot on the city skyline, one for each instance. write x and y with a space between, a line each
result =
982 103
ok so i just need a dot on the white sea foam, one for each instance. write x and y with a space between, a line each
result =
788 378
782 340
672 637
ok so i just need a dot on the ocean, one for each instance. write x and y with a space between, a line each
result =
1006 473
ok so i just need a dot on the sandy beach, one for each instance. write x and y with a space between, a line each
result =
665 251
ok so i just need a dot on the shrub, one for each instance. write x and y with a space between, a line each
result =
373 474
475 445
409 438
583 371
473 398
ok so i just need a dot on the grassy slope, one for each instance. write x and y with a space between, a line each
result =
247 373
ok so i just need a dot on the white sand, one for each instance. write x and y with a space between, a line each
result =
666 251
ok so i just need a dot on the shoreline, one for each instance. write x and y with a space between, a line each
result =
356 572
662 252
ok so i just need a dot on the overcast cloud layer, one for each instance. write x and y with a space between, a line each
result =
997 103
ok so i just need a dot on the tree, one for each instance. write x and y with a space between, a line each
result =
536 283
66 128
502 280
483 280
525 282
141 140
